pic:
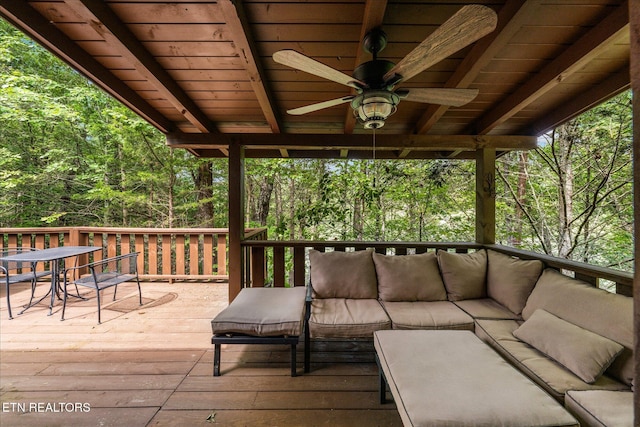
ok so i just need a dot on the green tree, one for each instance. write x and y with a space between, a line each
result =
572 197
72 155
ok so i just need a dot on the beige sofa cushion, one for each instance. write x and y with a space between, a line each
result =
510 280
263 312
604 313
554 378
427 315
346 318
486 308
597 408
409 278
464 275
343 274
582 352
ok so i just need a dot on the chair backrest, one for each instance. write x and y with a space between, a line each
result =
9 266
122 264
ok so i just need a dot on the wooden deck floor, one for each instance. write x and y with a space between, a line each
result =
152 366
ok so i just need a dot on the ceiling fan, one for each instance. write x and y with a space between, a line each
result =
374 81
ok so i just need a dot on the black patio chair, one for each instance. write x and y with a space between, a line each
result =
103 274
12 272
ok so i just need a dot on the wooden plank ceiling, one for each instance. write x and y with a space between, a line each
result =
202 72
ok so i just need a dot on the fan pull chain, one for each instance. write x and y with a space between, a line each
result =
373 157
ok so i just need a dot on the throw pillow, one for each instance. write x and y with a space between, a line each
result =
409 277
583 352
464 275
510 280
343 274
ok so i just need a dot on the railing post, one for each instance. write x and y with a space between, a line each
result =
593 281
222 254
278 267
76 238
258 264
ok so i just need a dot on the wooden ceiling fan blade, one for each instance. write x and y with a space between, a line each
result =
442 96
319 106
301 62
465 27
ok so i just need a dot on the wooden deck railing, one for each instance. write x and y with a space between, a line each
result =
201 253
285 263
166 253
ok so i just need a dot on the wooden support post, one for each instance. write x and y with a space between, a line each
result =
236 219
634 23
77 238
486 195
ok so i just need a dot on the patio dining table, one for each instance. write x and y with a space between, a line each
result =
55 256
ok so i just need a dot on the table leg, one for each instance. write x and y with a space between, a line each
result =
55 277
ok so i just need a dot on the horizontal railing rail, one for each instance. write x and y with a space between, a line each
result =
285 263
165 253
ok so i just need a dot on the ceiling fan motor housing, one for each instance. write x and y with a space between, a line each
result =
372 73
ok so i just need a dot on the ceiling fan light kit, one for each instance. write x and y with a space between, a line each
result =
373 107
374 80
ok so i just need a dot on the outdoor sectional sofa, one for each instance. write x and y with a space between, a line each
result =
572 339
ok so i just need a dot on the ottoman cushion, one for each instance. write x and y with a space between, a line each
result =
263 312
440 378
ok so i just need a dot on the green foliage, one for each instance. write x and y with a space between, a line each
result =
72 155
381 200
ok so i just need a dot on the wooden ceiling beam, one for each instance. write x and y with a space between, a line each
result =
341 143
511 17
588 47
106 23
240 32
45 33
611 86
373 16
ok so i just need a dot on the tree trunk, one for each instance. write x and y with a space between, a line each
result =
264 199
172 185
565 140
123 186
204 190
357 219
523 158
292 209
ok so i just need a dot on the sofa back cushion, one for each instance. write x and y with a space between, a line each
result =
464 275
596 310
409 277
343 274
510 280
582 352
